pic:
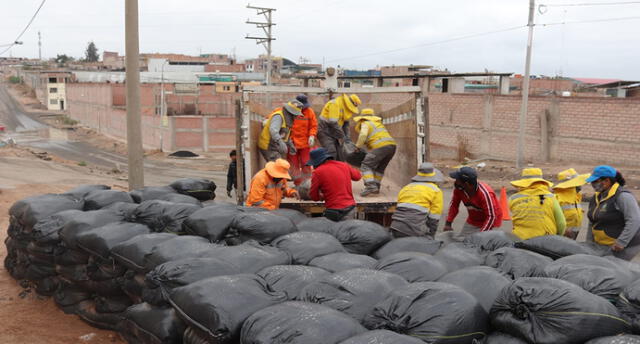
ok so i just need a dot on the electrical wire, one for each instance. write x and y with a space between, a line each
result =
590 21
593 4
25 28
430 43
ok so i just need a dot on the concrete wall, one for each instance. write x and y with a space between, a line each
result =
593 130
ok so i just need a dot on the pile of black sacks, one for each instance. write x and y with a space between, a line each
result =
170 265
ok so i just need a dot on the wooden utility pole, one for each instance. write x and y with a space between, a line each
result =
525 90
135 152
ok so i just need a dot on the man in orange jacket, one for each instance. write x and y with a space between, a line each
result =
303 135
269 186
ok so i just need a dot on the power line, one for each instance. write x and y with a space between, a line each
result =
590 21
593 4
431 43
25 28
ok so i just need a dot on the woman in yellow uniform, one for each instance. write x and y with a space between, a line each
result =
567 190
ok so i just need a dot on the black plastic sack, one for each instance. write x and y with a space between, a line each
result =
305 246
218 306
202 189
150 193
46 231
291 279
431 311
490 240
500 338
382 337
629 304
408 244
620 339
131 253
163 216
27 212
146 324
38 272
211 222
555 246
68 256
165 277
83 190
261 226
316 224
548 310
69 295
483 282
132 284
85 221
337 262
177 248
353 292
303 190
361 237
293 215
180 198
99 241
112 304
596 275
124 209
48 285
413 266
86 310
100 270
299 323
106 288
99 199
515 263
72 273
457 256
250 257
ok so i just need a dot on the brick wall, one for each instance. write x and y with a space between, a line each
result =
585 129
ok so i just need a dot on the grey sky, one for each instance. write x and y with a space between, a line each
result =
351 33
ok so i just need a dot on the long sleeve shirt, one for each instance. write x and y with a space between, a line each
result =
483 207
232 182
558 215
333 179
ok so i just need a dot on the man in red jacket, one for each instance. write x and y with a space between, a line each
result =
331 181
481 202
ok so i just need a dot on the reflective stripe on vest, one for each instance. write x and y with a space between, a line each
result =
530 218
378 136
412 196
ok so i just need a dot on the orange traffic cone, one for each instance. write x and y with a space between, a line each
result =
504 204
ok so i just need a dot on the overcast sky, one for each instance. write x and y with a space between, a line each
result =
350 33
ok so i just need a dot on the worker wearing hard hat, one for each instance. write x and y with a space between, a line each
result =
275 141
269 186
535 211
333 123
303 136
380 147
567 190
419 205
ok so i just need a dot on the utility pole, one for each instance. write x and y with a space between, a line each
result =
135 152
525 89
265 41
39 46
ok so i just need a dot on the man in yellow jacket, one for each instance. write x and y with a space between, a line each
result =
535 211
380 147
275 138
567 190
420 204
333 123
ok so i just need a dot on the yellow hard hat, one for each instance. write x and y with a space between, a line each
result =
352 102
367 112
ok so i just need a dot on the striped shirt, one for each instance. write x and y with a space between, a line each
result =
483 207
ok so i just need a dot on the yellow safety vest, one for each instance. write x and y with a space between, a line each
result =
265 135
423 196
530 218
570 202
378 136
336 111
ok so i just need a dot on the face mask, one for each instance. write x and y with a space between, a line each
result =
578 188
597 186
458 186
277 180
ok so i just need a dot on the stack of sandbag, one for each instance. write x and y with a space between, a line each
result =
164 216
144 323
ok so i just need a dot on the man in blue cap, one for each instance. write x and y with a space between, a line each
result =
331 181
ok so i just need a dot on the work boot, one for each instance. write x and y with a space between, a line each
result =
369 192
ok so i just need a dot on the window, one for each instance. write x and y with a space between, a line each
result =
53 90
226 88
53 80
53 101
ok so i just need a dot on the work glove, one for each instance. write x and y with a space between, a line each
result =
292 148
282 148
312 141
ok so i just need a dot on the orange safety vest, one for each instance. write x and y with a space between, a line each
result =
265 193
303 127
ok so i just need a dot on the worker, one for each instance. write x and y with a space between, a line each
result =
232 179
331 181
614 215
479 199
380 148
269 186
333 124
535 211
275 141
567 190
303 136
419 205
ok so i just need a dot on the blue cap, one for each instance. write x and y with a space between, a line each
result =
602 171
304 100
318 156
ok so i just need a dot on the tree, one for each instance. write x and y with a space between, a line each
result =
63 59
91 54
